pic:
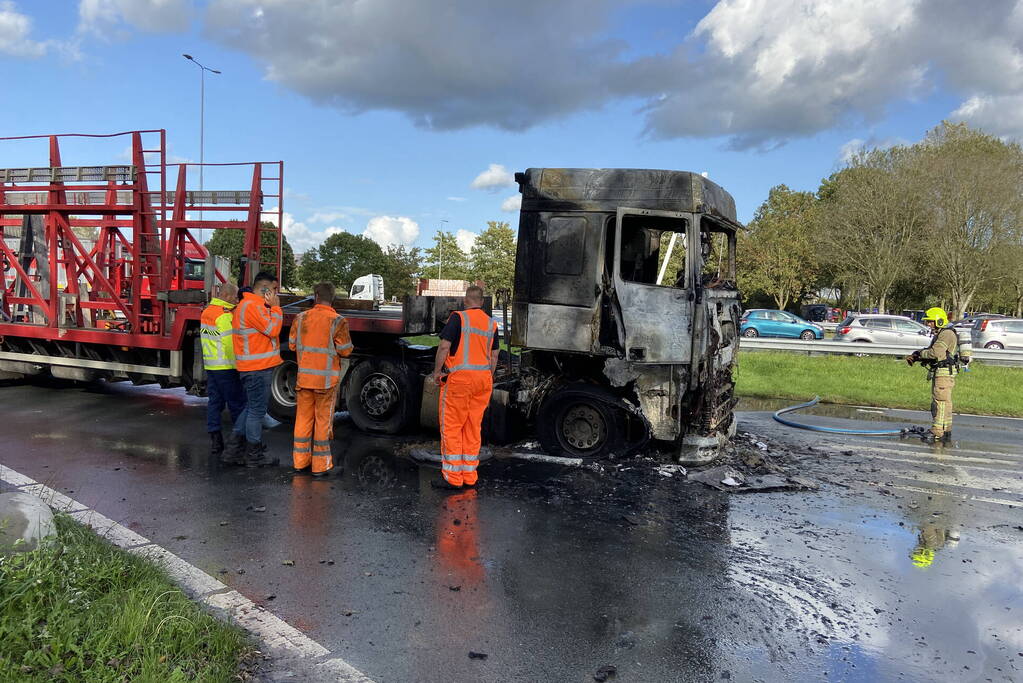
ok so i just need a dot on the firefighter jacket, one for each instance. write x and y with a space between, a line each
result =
257 331
319 337
475 345
942 356
216 333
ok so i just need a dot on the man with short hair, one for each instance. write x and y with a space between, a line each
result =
257 327
223 385
464 369
319 337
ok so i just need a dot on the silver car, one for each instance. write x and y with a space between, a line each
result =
883 329
999 333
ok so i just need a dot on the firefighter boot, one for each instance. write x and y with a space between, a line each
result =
216 444
256 456
931 438
234 452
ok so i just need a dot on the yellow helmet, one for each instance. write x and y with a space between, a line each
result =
936 315
922 557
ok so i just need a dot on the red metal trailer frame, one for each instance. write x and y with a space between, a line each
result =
138 261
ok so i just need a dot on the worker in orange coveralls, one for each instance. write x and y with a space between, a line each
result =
464 369
319 337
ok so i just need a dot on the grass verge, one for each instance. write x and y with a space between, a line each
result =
874 381
85 610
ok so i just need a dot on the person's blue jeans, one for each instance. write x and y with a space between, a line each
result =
223 387
257 392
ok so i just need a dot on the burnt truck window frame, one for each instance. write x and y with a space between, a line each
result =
565 245
686 222
723 245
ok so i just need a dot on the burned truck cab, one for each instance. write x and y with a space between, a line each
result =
626 308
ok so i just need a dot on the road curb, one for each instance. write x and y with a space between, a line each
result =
312 661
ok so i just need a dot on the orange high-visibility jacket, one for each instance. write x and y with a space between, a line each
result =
474 346
257 331
319 337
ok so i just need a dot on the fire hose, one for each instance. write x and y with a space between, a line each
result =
905 431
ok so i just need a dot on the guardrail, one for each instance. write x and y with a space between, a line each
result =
823 347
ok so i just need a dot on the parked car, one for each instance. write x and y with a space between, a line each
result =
969 321
762 322
883 329
998 333
821 313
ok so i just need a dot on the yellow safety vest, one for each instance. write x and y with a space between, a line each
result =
216 331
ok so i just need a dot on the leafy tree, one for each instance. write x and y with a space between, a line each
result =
971 182
493 256
778 255
230 242
401 270
446 260
340 259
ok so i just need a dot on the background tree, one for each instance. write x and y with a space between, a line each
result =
455 264
871 217
778 255
971 181
493 256
401 270
340 259
231 243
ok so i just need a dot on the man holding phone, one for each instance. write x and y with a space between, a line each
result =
257 324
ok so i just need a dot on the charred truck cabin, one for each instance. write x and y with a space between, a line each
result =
626 308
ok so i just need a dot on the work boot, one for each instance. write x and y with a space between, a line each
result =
216 443
256 456
946 437
444 485
324 473
234 452
931 438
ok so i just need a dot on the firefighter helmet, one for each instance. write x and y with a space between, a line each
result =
936 315
922 557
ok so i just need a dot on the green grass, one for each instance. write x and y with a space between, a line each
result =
874 381
84 610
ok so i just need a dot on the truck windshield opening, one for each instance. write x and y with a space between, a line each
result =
653 250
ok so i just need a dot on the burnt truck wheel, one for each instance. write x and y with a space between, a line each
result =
581 421
383 396
283 401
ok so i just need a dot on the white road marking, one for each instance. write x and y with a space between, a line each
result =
278 636
950 494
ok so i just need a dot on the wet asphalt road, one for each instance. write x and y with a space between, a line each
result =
555 572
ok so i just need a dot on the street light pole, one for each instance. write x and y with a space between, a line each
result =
202 122
440 244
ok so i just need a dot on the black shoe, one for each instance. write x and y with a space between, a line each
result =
471 486
256 456
234 452
946 437
930 438
301 470
216 443
444 485
324 473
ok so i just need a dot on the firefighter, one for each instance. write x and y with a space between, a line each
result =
941 359
464 369
320 338
257 323
223 385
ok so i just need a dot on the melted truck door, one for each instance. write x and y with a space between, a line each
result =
653 281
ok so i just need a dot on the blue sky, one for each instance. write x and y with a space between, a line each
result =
386 112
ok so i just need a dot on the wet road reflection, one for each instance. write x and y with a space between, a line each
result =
554 572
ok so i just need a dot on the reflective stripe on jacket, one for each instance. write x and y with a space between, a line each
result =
257 331
216 333
319 337
474 346
944 347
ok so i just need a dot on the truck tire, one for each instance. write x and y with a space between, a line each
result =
581 421
282 403
383 396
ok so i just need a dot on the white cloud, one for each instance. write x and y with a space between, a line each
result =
388 230
300 236
456 199
848 151
493 179
512 204
328 217
111 17
465 239
15 29
997 114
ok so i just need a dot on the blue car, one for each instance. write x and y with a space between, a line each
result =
762 322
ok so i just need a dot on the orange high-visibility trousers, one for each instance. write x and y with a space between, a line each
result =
463 400
314 428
